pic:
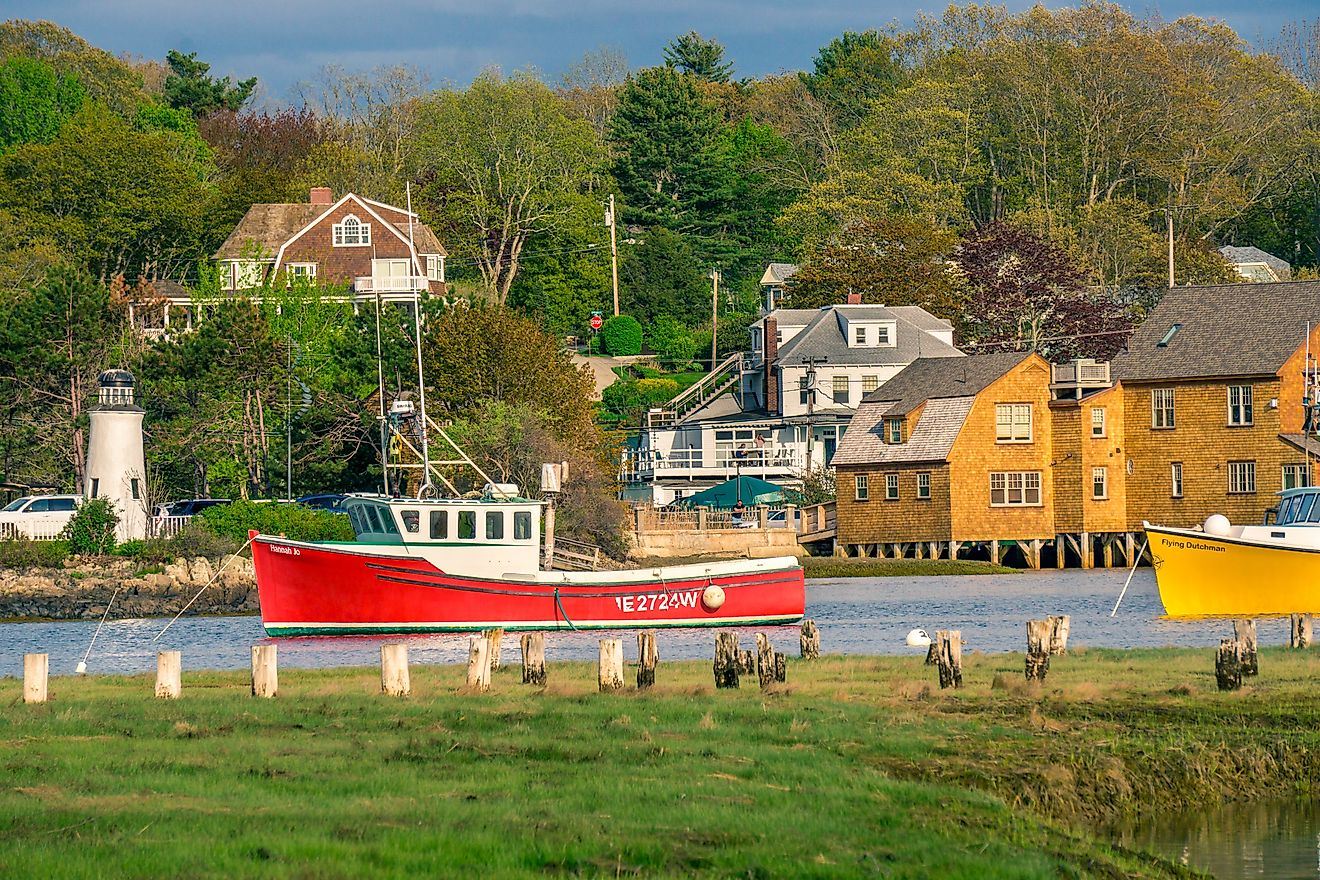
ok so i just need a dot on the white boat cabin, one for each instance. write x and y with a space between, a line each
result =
479 537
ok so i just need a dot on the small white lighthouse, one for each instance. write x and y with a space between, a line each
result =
116 467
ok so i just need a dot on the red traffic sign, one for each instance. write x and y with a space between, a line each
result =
596 322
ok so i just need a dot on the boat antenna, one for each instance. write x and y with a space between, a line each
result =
427 488
384 425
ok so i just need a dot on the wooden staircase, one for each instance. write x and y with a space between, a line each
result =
725 376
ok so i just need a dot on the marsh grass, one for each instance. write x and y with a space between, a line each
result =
858 766
852 566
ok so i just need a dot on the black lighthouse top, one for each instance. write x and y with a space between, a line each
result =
116 388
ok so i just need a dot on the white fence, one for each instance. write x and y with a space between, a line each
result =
31 531
168 526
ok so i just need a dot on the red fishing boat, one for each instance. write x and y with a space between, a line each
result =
453 565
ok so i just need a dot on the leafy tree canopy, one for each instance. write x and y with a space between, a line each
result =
853 70
105 78
35 101
188 86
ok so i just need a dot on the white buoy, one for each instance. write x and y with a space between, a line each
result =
918 639
1218 525
713 598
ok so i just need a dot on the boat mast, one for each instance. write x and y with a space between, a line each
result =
427 488
380 380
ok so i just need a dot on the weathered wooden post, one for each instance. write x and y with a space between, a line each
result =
496 638
265 671
36 672
1038 649
781 666
1228 665
533 658
948 657
765 661
394 678
747 662
611 665
647 657
1245 633
809 642
1059 627
1299 631
478 669
726 659
933 652
169 674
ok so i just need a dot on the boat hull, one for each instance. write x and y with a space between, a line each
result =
1202 575
315 589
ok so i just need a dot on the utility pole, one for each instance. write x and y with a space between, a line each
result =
714 314
614 253
1168 216
811 363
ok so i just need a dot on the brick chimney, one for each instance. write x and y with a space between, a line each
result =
770 332
323 195
854 298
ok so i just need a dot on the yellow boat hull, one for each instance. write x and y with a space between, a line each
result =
1202 575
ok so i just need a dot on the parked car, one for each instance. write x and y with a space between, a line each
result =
38 516
329 501
191 507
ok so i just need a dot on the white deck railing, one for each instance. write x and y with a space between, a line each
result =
389 283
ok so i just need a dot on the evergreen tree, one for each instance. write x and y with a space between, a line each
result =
188 87
704 59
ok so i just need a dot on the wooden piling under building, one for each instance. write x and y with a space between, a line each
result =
1071 550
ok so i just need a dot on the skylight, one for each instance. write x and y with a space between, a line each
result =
1168 336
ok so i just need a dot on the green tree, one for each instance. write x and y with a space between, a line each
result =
692 53
621 336
188 87
107 79
662 276
35 101
505 162
853 70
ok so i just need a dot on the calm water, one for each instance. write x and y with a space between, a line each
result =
855 615
1279 840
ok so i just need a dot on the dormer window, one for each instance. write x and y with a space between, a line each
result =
882 335
352 232
895 431
435 267
860 335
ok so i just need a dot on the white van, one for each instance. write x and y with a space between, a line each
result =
38 517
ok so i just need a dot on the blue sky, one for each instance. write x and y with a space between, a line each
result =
285 41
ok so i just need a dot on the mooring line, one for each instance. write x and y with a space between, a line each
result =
82 664
1135 562
204 586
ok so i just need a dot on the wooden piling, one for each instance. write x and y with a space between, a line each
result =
394 678
1245 633
36 674
1038 648
781 667
933 652
1059 627
747 662
265 671
809 642
1228 665
496 638
533 658
765 661
478 669
948 657
611 665
647 657
726 659
1299 631
169 674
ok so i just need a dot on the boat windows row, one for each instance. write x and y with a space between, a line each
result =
445 524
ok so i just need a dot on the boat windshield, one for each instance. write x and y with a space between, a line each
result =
1300 507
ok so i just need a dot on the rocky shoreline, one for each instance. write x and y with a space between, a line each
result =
84 586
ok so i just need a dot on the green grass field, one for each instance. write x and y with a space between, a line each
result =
852 566
857 767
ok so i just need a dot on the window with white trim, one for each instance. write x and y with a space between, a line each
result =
1175 479
300 270
1241 477
882 334
1012 423
859 335
891 487
1295 476
841 389
923 487
1239 405
861 487
1015 489
435 268
895 430
804 390
1161 408
1099 483
352 232
1097 421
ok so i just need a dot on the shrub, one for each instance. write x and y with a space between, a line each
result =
91 532
23 553
622 335
131 549
232 521
194 540
673 342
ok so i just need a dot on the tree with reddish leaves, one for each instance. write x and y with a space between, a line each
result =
1024 293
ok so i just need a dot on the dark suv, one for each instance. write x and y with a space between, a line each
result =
191 507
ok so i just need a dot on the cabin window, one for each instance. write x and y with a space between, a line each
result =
1097 422
439 525
923 487
1161 408
1310 510
861 487
1288 510
1175 475
357 520
412 521
891 487
1241 477
1013 423
372 519
1294 476
1239 405
522 526
467 525
494 525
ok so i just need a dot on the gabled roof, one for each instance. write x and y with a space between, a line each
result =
930 439
794 317
826 337
778 273
1222 330
938 377
1246 255
266 228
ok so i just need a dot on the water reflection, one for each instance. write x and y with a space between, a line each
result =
1275 839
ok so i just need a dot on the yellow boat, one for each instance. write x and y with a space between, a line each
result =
1223 570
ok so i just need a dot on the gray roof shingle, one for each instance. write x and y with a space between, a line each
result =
1226 330
930 439
825 337
1236 255
938 377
